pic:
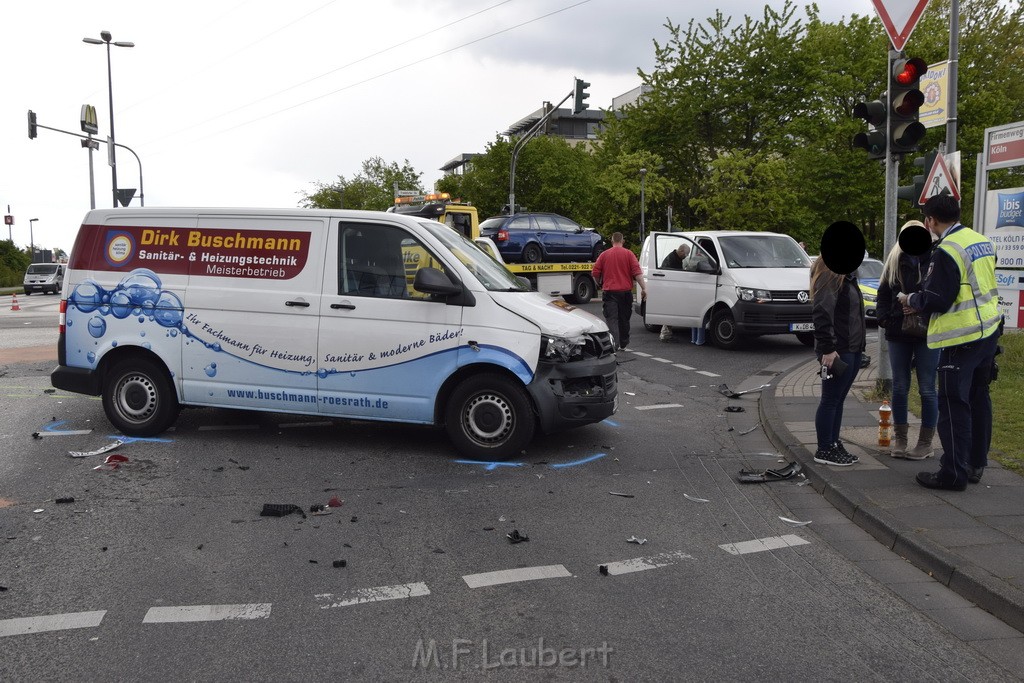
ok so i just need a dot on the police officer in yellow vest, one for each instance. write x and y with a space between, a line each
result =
960 293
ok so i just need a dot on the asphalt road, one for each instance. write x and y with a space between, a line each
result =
164 568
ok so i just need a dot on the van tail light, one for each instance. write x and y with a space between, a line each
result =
62 318
502 235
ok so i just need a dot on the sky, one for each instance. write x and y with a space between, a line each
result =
248 103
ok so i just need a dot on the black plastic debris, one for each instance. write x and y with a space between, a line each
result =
516 537
313 562
67 499
603 569
339 563
347 545
3 589
488 528
35 435
735 409
280 510
317 508
354 518
756 477
621 495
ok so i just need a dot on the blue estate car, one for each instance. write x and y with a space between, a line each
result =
537 237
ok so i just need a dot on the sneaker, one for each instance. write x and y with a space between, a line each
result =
838 445
832 456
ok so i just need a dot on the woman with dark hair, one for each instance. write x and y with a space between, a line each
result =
839 340
908 348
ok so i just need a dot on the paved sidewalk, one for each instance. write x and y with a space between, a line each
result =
970 541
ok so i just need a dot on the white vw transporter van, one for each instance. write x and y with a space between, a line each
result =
736 284
350 314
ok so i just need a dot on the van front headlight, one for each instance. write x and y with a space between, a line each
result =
562 349
758 295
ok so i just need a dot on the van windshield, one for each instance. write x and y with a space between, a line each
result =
42 269
763 251
491 274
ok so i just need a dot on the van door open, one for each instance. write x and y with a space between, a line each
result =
384 348
680 288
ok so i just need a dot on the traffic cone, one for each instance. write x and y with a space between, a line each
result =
14 303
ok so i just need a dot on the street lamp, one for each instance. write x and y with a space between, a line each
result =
32 239
105 36
643 174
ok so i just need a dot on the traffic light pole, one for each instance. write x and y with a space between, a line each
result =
883 382
518 147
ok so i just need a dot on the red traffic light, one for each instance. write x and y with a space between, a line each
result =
909 71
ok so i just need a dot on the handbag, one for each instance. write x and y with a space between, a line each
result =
915 325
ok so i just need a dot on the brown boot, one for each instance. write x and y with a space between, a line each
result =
923 449
898 448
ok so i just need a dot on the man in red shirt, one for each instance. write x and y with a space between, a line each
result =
615 270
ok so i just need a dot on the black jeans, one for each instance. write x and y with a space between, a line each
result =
965 407
618 308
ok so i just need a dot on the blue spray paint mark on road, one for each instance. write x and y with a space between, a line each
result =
133 439
51 428
584 461
610 422
490 465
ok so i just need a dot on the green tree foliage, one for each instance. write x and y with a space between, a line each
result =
371 189
13 264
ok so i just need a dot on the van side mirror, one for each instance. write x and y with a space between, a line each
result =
433 281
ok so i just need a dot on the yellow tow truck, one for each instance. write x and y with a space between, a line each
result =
574 282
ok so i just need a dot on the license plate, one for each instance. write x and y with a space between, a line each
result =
801 327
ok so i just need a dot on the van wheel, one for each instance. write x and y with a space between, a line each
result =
28 293
138 397
489 418
723 330
532 253
805 338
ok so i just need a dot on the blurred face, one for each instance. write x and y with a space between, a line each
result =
683 250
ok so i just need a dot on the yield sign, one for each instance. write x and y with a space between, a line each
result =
899 17
939 181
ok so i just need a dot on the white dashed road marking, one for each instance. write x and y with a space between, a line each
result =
639 564
554 571
662 360
360 595
51 622
660 406
681 366
165 615
761 544
641 354
707 374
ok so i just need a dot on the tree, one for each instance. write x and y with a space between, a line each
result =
371 189
13 264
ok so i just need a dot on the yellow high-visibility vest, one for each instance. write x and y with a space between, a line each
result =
975 311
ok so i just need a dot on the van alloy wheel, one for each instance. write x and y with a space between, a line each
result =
138 397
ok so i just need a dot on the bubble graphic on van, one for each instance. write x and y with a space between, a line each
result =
97 326
211 370
86 297
91 357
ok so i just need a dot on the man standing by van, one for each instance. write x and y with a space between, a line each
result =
960 294
616 270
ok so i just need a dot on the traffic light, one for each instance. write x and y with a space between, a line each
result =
579 94
31 125
912 193
874 112
905 100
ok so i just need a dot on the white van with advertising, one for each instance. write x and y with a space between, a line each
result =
43 278
348 314
735 284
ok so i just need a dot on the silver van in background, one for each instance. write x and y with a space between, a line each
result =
44 278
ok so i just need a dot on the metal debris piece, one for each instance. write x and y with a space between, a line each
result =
340 563
747 431
793 522
622 495
726 391
603 569
516 537
756 477
638 541
103 449
687 496
280 510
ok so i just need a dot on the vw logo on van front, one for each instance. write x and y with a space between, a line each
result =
802 297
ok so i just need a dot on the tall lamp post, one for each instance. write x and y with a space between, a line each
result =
105 36
32 240
643 174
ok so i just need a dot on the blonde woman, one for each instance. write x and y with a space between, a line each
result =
904 273
839 335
